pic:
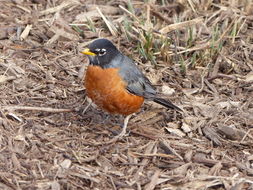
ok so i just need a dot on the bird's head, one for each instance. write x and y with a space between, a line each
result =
101 52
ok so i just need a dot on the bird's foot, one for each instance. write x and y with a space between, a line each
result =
120 136
123 133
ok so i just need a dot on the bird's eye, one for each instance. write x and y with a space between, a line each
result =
102 52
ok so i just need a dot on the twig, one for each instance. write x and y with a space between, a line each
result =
180 25
63 5
136 154
247 134
111 27
165 146
128 12
192 6
29 108
160 16
113 184
135 131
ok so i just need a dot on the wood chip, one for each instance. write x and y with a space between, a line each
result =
93 13
85 176
153 181
26 32
231 132
55 185
177 132
211 134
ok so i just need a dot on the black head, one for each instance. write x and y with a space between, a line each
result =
101 52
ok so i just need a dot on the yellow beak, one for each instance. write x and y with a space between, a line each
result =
88 52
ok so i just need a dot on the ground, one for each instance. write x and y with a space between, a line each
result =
199 54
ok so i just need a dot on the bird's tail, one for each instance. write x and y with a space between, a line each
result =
166 103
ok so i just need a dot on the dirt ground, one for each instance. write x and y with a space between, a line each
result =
198 53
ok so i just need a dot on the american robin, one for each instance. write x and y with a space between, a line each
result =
115 83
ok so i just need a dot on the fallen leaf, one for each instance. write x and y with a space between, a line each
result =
249 77
167 90
3 79
65 163
186 128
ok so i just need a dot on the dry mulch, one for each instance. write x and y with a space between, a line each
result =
52 138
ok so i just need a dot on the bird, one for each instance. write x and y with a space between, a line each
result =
114 82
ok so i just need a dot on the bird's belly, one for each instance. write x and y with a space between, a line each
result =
106 88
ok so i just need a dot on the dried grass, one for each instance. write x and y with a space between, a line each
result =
199 51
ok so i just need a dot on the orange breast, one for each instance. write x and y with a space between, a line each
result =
108 91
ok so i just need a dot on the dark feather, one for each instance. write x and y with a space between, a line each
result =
166 103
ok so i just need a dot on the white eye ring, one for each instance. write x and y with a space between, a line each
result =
102 52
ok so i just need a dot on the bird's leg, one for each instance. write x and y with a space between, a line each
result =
85 109
123 132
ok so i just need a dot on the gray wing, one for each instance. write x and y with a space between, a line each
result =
137 83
